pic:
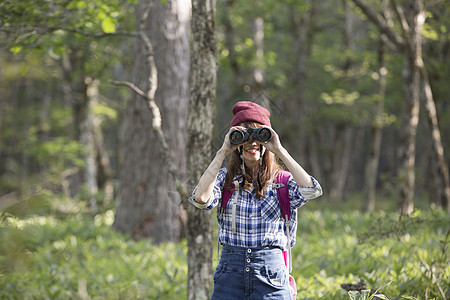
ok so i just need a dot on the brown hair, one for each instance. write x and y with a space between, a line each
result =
268 169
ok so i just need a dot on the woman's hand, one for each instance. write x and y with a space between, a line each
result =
227 146
274 144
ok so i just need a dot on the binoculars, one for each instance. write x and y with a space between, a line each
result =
240 136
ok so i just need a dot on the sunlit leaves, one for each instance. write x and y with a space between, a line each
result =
26 22
108 25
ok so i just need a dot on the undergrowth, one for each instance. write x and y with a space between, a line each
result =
78 256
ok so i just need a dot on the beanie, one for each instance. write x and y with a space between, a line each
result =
246 111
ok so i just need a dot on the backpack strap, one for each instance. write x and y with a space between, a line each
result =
283 199
283 193
226 195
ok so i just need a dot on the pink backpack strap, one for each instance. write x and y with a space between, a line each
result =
283 193
283 199
226 195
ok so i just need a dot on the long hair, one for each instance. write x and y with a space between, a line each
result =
266 171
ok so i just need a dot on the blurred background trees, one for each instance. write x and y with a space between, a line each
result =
357 89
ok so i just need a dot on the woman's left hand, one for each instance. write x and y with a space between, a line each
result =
274 144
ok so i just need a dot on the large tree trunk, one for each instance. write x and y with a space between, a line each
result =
203 85
201 108
376 131
148 203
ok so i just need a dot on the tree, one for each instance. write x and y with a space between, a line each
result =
65 30
376 131
148 204
411 18
201 111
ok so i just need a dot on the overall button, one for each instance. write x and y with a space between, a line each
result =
247 269
249 250
248 260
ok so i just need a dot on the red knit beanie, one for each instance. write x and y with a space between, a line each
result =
246 111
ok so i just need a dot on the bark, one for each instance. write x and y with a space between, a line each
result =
200 129
411 86
376 131
442 174
87 139
153 161
2 107
104 173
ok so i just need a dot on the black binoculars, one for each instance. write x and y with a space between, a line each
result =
239 136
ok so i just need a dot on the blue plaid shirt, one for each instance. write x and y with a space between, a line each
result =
258 221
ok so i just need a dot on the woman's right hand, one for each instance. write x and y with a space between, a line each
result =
227 146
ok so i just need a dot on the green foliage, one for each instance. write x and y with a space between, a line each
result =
365 295
78 256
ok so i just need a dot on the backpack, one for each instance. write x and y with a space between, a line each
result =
283 199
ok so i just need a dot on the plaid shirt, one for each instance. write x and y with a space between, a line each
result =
258 221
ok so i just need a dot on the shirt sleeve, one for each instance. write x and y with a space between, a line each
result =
216 195
300 195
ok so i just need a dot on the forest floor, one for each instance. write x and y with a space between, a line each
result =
69 254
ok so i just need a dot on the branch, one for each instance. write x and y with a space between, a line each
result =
96 35
130 85
380 23
401 17
149 97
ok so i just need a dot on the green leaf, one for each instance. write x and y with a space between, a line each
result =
108 25
15 49
354 295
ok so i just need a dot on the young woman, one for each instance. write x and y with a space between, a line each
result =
252 231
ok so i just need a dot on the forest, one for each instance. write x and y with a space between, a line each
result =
110 111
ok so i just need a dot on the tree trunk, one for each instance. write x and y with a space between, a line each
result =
411 85
298 110
376 130
340 161
104 173
148 203
87 139
441 172
259 94
2 107
200 128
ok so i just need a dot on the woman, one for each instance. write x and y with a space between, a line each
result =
252 232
